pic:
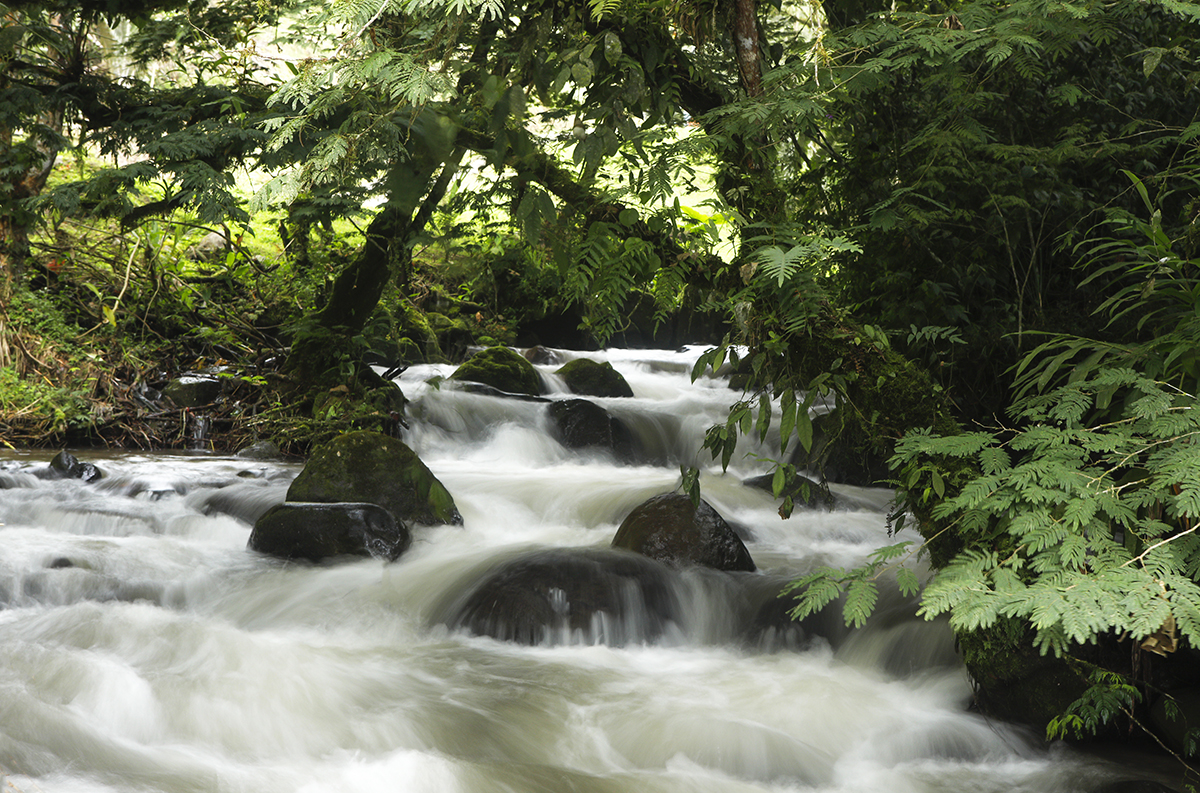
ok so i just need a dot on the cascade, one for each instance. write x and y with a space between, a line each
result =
143 647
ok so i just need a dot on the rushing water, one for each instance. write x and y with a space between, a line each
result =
142 647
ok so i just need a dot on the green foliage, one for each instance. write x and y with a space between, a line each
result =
59 407
1107 695
967 153
610 266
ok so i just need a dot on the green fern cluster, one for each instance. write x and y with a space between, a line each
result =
608 268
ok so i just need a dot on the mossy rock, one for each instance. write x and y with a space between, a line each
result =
454 337
374 468
502 369
192 391
1013 681
591 378
413 327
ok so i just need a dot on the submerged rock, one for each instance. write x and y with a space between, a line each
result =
566 596
501 368
321 531
372 467
246 501
586 425
590 378
670 529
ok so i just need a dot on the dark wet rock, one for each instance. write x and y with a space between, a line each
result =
323 531
60 563
245 501
586 425
541 355
261 450
771 626
66 466
591 378
670 529
567 595
804 491
375 468
193 391
501 368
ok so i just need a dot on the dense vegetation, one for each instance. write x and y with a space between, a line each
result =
973 225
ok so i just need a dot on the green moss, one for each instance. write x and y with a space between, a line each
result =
415 333
590 378
501 368
1013 680
377 469
453 335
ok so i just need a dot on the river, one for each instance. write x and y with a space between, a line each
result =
144 648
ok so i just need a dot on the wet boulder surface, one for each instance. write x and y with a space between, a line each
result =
585 425
375 468
501 368
569 596
66 466
591 378
670 529
316 532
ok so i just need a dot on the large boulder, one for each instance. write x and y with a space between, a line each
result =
586 425
321 531
670 529
378 469
590 378
502 369
567 596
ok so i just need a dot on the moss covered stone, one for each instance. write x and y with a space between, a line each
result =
416 336
454 337
502 369
590 378
374 468
1013 681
